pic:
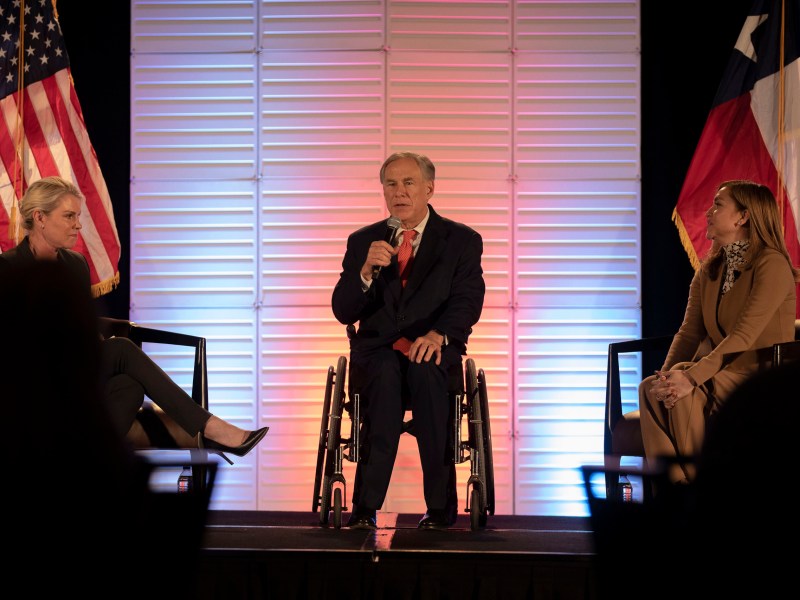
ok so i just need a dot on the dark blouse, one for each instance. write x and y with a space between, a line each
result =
22 255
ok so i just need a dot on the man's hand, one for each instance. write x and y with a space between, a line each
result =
425 347
380 255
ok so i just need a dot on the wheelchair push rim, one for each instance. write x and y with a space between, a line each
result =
323 439
330 475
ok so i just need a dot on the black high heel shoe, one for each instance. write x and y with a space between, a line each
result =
240 450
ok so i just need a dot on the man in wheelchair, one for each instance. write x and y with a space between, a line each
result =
414 283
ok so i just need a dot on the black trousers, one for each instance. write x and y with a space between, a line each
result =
384 375
128 375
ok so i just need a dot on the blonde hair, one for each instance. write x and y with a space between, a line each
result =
764 225
45 195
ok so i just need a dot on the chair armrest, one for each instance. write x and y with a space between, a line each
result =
114 327
613 387
785 352
140 335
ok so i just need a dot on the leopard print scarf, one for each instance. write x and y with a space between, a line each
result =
734 260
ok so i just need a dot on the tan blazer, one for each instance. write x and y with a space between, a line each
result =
757 312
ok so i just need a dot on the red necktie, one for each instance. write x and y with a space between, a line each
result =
405 255
405 258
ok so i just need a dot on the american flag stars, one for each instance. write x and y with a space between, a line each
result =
42 48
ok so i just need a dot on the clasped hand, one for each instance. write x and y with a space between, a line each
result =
668 386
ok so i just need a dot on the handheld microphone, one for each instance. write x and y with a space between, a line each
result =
393 223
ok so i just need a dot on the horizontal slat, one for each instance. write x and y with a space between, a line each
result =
164 26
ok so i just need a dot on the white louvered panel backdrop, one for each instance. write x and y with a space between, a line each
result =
577 230
258 132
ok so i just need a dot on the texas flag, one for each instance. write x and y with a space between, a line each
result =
753 130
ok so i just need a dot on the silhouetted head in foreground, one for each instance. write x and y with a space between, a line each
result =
72 481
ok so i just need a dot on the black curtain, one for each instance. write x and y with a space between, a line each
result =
685 48
97 36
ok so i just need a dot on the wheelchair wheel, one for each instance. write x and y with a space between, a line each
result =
476 430
324 506
337 508
334 439
475 512
323 439
488 459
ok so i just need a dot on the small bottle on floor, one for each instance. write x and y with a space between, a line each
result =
625 489
185 481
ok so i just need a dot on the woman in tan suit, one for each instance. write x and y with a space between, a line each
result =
742 299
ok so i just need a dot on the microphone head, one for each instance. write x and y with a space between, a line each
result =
393 223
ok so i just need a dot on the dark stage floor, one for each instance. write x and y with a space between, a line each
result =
259 554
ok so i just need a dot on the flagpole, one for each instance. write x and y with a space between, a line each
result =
781 117
17 168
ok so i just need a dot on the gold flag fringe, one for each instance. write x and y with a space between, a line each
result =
106 286
685 240
13 226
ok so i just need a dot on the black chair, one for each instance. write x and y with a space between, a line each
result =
787 352
622 434
719 514
153 428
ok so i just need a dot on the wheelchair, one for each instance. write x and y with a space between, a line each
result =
469 400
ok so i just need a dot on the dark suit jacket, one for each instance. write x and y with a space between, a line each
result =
21 255
445 289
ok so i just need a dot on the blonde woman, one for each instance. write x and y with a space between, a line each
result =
51 210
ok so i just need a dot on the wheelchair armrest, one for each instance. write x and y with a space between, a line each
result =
613 412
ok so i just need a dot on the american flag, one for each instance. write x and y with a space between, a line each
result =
753 129
42 133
